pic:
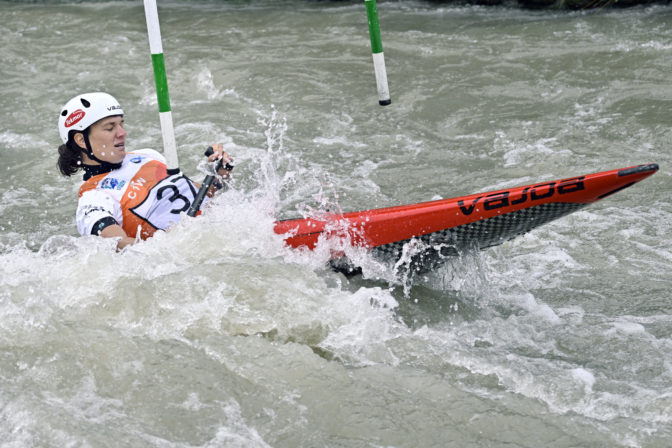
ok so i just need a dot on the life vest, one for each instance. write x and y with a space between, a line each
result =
139 196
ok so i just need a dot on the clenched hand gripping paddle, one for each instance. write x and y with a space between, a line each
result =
207 182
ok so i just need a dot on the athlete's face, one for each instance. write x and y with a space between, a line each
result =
108 139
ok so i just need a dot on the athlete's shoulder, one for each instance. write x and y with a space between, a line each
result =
92 183
141 154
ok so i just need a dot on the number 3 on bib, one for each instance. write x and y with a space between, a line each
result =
166 200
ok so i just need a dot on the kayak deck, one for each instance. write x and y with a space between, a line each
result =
480 220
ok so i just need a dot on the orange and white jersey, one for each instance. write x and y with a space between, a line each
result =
139 196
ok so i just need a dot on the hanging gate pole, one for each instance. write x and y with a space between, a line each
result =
377 52
165 115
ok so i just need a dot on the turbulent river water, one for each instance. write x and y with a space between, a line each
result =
216 335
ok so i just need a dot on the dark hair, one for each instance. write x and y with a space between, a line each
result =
69 157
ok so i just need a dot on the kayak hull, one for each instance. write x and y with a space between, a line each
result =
477 221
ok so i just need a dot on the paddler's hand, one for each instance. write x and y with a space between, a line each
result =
226 164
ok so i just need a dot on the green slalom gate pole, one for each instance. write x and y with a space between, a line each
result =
377 51
165 115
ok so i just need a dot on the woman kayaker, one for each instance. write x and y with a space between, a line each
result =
125 195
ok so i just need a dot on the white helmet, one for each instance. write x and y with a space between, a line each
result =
83 110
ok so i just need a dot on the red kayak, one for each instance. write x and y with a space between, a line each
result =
479 220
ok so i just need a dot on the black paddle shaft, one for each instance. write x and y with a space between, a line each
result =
205 186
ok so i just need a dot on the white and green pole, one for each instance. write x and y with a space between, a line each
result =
166 117
377 51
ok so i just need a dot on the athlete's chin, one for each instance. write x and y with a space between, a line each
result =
119 153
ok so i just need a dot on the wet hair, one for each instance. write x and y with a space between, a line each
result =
70 157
